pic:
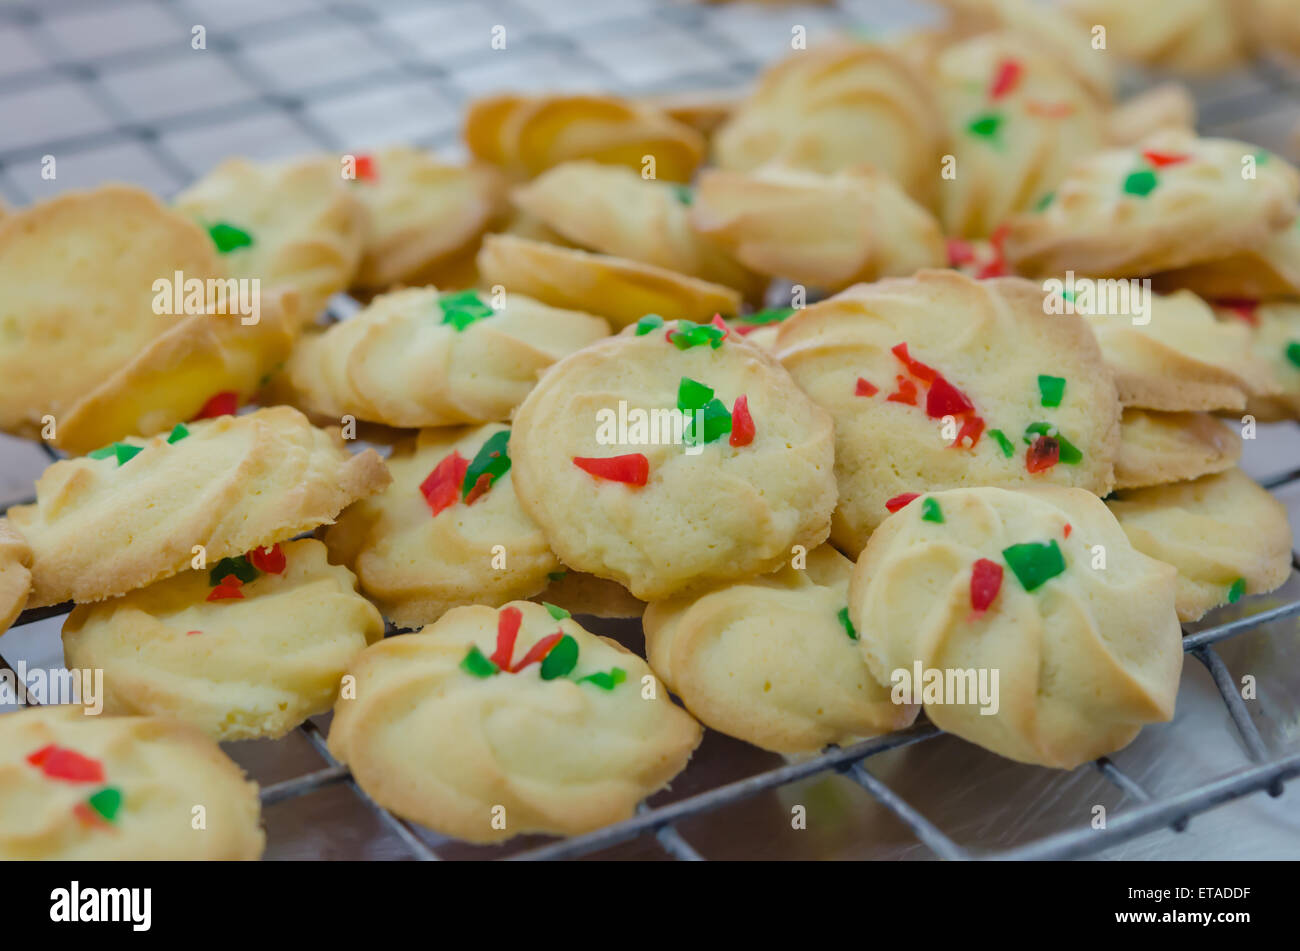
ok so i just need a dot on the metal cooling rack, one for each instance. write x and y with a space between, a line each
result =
1263 92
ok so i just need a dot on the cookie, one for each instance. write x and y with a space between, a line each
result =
296 224
673 457
1269 271
760 327
1045 28
837 106
131 514
240 659
1275 339
173 377
525 135
620 290
1017 119
1181 358
938 381
580 593
1166 106
1274 25
702 110
972 583
1157 448
1182 36
1176 199
491 724
1226 535
774 660
448 530
77 787
825 231
417 357
15 574
424 214
77 276
615 211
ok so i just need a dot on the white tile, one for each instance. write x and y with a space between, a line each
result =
17 53
265 136
567 14
195 80
116 28
529 71
395 113
452 29
124 162
676 52
766 32
299 61
59 110
223 15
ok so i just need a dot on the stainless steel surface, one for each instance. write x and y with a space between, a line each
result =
115 91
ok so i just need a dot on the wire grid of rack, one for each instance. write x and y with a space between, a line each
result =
1266 87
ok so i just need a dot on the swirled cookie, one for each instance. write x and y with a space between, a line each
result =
175 375
424 214
827 231
1045 28
1157 448
77 787
1269 271
78 280
615 211
1275 339
622 291
1038 587
1184 36
1274 25
239 659
1017 119
774 660
1181 358
673 457
1177 199
1166 106
494 723
448 530
130 514
526 135
296 224
1226 535
15 573
939 381
837 106
417 357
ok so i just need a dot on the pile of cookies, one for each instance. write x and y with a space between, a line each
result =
813 381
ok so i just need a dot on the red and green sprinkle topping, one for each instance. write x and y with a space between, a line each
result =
985 583
847 624
225 403
1051 389
228 238
632 468
1162 159
742 423
1236 590
557 654
1005 444
985 126
901 501
58 762
269 561
683 194
101 808
1006 78
648 324
441 487
688 334
366 168
1047 447
1293 352
863 388
491 462
942 398
463 309
231 574
762 318
930 510
1034 563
